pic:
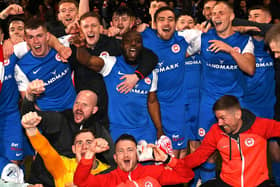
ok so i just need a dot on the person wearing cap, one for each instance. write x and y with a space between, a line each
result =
60 127
129 172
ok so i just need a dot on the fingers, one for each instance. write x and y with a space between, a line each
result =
30 120
36 87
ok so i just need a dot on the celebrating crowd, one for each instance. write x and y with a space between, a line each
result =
139 93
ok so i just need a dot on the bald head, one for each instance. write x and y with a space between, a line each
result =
85 105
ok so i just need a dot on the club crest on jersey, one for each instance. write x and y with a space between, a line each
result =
249 142
147 80
148 184
175 48
57 57
201 132
104 53
237 49
6 62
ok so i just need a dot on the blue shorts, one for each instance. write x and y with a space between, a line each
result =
192 112
174 123
148 133
265 111
206 116
14 144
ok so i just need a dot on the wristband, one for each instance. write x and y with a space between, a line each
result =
168 159
139 75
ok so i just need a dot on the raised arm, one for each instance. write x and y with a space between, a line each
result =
83 7
94 63
51 158
12 9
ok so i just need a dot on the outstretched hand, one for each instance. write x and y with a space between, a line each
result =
129 82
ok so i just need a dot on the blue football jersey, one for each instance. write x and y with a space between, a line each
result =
126 110
9 96
221 74
59 91
260 92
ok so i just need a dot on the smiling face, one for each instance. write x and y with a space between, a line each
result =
37 40
207 9
184 22
90 26
229 119
68 13
131 45
165 24
222 17
84 106
126 155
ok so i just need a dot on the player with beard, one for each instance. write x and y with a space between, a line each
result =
130 173
60 127
128 113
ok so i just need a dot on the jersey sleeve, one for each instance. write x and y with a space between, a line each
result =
249 48
193 38
109 62
64 40
51 158
21 79
154 82
20 49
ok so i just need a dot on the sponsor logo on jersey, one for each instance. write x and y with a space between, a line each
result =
104 53
6 62
249 142
175 48
264 64
58 57
201 132
56 76
193 62
167 68
223 66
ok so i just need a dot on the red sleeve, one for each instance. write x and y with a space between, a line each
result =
83 178
267 128
207 147
177 175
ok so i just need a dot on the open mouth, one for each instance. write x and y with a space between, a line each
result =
68 19
132 52
166 29
91 36
217 23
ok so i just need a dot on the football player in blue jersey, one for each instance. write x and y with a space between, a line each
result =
260 96
43 62
192 83
170 46
128 113
226 56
